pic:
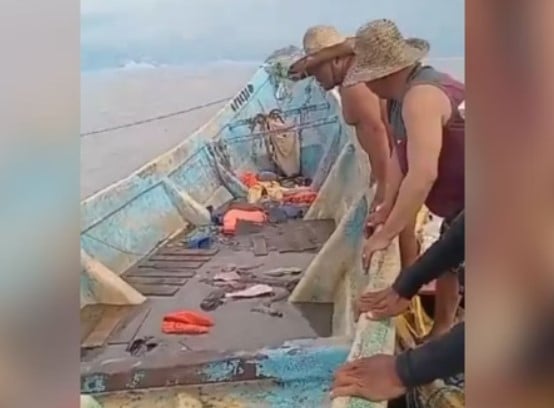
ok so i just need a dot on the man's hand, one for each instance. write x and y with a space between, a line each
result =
371 378
299 70
378 214
376 242
382 304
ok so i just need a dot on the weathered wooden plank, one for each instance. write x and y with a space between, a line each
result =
157 280
160 273
156 290
109 321
129 326
180 257
176 265
259 246
90 316
187 251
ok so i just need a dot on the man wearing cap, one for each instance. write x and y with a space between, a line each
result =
361 108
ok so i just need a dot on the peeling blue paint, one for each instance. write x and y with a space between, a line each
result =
347 164
302 363
221 370
354 227
135 380
302 375
93 384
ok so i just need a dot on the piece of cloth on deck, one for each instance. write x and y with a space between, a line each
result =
249 179
303 197
271 190
251 292
231 218
186 322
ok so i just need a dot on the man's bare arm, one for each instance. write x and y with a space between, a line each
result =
364 112
394 180
424 108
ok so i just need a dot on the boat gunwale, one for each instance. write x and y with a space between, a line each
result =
209 367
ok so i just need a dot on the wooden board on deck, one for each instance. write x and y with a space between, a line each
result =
156 280
187 251
129 327
110 319
259 246
156 290
160 273
180 257
171 264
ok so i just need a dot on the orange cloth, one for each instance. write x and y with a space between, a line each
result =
189 317
306 197
249 179
186 322
183 328
232 216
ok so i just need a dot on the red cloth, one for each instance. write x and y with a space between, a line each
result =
232 216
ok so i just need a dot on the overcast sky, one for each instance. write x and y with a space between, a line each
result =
114 32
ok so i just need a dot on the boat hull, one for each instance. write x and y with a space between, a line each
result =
126 222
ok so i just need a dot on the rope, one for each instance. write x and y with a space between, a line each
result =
156 118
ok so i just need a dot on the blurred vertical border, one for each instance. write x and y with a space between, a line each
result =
39 209
510 203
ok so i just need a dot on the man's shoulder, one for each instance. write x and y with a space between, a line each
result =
425 98
356 91
357 100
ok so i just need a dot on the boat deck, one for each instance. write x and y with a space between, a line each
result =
176 278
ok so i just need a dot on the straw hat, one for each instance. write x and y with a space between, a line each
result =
381 50
319 37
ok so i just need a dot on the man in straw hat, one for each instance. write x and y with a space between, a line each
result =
361 108
427 164
428 132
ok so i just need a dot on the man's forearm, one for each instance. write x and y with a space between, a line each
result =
374 141
437 359
394 179
446 253
411 197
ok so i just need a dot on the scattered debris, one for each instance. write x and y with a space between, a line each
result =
239 269
267 176
305 197
199 238
227 277
259 246
279 272
251 292
288 282
267 309
213 300
141 346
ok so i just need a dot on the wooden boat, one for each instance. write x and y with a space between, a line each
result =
135 267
